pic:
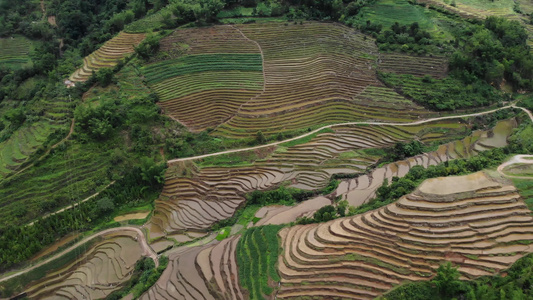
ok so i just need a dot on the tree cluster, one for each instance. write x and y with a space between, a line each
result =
495 52
19 243
516 285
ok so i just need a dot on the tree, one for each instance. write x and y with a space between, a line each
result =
447 280
152 173
104 76
148 47
260 138
105 204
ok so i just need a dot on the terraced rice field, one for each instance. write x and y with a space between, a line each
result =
104 268
435 66
361 189
257 254
473 221
330 64
201 272
108 55
15 51
477 9
212 73
274 78
190 204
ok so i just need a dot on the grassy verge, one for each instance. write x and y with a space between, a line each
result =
257 256
145 275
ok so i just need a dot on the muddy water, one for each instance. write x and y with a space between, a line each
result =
283 215
456 184
134 216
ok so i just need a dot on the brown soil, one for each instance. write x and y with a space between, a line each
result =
55 246
133 216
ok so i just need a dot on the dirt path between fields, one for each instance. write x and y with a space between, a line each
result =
263 71
517 159
147 251
70 206
351 123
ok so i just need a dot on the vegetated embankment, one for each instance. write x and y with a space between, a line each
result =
210 73
108 55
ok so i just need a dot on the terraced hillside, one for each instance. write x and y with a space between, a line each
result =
15 51
191 202
25 141
361 189
435 66
108 55
65 176
312 73
102 269
473 221
213 71
201 272
482 9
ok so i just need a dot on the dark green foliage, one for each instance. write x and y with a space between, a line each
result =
442 94
104 76
281 195
401 151
260 138
447 280
148 47
102 121
257 255
18 243
446 285
404 38
201 11
144 276
325 214
494 52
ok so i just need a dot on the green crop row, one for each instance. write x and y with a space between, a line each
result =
257 255
202 63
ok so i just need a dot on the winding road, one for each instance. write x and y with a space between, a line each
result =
147 250
347 124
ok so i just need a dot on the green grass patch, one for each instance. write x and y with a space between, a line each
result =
307 139
224 233
525 188
257 256
189 64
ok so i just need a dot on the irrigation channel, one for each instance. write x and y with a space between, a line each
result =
148 251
